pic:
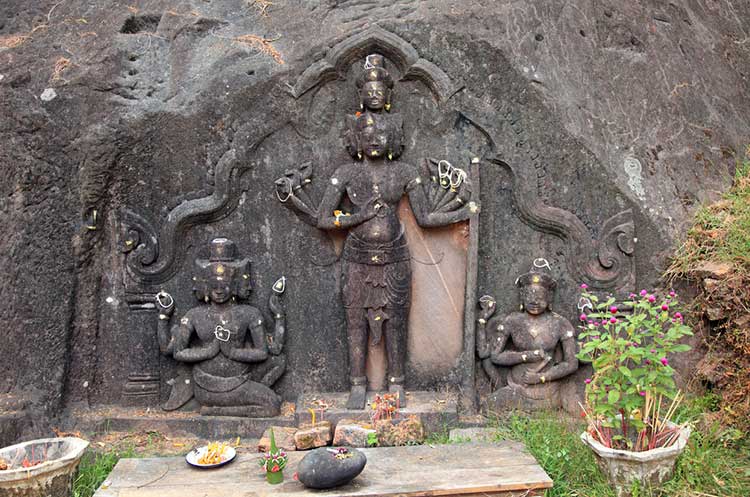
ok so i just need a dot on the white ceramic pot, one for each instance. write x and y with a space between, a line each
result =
650 468
53 477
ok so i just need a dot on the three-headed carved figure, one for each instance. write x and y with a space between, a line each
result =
228 362
362 198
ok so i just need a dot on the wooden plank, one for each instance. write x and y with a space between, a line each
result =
466 469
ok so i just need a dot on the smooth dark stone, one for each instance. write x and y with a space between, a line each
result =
322 469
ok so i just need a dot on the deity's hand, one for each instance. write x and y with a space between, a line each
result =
276 307
370 210
532 355
164 304
274 347
531 378
487 306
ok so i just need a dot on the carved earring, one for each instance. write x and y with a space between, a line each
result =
359 155
206 299
520 307
390 155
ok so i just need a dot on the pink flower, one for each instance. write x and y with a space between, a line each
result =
664 307
642 393
653 351
595 337
596 323
664 361
648 361
587 380
651 299
672 294
644 293
677 315
613 320
632 296
582 317
584 286
613 309
590 321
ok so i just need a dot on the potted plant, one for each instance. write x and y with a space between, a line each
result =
631 396
273 462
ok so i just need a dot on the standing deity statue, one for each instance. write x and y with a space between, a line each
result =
537 345
228 362
362 199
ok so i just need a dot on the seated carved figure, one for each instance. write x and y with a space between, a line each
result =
230 361
537 345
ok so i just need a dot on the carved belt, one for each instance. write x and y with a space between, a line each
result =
376 254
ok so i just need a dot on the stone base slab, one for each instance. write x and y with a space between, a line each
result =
503 469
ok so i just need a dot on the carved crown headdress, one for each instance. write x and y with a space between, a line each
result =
223 265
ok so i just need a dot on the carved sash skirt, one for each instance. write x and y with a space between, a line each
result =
376 275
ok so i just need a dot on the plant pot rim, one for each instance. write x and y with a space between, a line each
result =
643 456
75 448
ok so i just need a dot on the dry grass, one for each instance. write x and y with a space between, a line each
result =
60 66
13 41
721 234
263 45
261 6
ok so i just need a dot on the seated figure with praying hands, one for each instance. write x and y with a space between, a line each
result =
537 345
227 360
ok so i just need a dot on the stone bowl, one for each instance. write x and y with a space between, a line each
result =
53 477
650 468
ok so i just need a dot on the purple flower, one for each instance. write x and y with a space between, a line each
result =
664 361
582 317
613 309
644 293
584 286
613 320
651 299
664 307
595 337
587 380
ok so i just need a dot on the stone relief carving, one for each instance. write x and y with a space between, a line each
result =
537 345
362 198
229 362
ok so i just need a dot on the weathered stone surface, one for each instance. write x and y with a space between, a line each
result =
472 435
713 270
148 103
284 436
352 433
310 437
330 467
407 431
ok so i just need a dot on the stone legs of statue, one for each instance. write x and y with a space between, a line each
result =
392 323
356 327
250 399
395 348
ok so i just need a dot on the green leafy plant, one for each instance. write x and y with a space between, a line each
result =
628 346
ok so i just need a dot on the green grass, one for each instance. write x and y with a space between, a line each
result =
715 463
94 468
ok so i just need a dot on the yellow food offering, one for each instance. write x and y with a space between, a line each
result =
213 454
